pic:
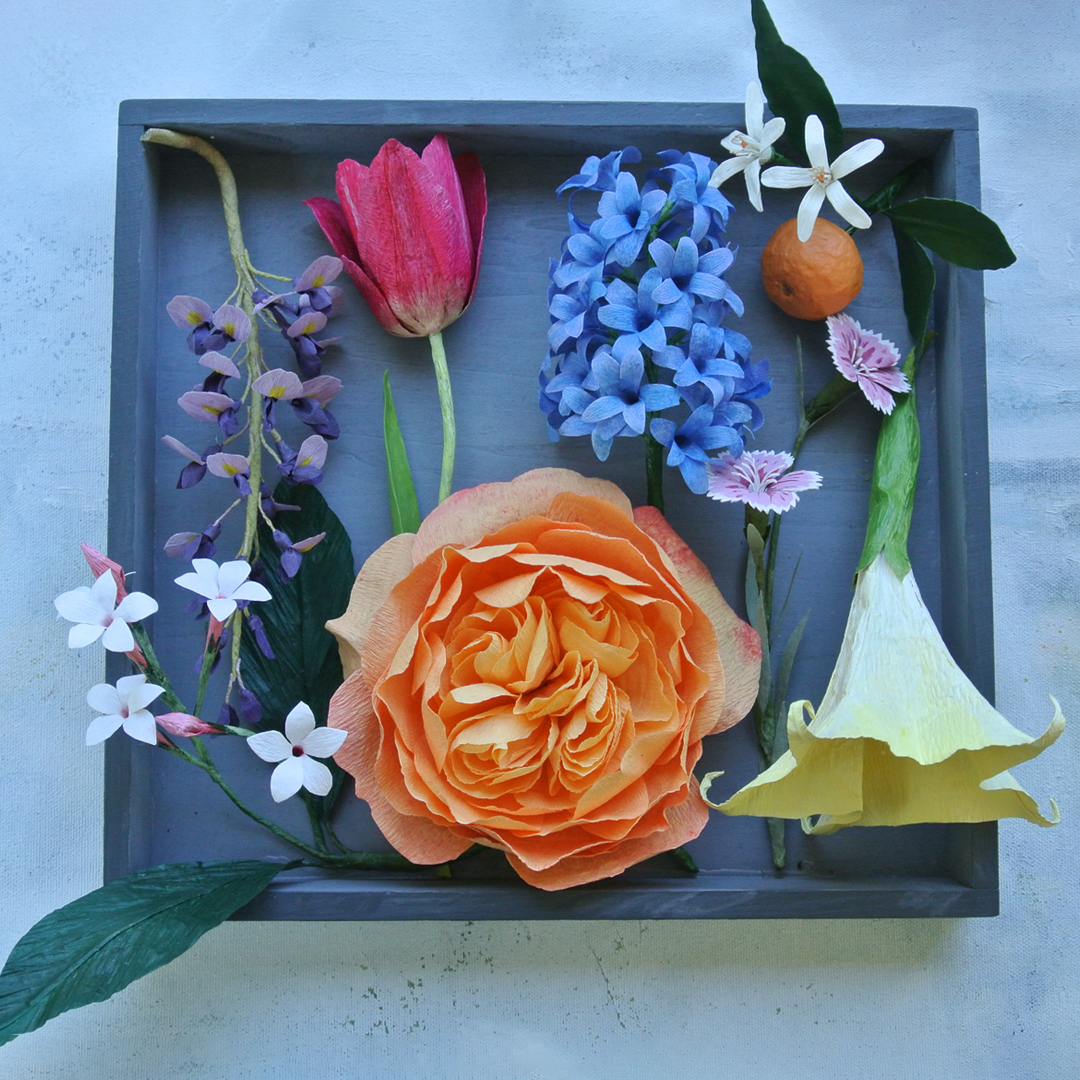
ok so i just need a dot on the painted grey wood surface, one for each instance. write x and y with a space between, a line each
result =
170 240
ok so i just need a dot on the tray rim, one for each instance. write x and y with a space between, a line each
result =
972 890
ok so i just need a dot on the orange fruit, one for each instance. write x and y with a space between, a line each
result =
815 279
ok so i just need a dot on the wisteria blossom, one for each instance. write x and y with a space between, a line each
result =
124 704
760 478
823 179
753 148
868 359
295 751
96 614
222 586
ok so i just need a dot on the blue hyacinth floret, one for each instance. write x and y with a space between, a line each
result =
638 303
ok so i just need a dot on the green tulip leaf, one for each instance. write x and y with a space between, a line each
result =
404 510
793 89
956 231
89 949
917 282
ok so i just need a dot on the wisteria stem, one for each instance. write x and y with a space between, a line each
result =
446 405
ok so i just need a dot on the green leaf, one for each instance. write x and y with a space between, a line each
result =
306 665
404 509
892 487
792 87
783 675
89 949
956 231
757 617
917 281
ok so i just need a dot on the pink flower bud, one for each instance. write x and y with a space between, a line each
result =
99 563
178 723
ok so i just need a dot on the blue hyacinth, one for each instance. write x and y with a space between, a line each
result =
638 304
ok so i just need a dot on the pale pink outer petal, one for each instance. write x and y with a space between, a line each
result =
468 516
79 605
118 637
136 606
104 592
231 575
738 643
180 448
278 383
312 451
204 405
101 727
140 725
270 745
287 778
188 311
324 742
321 272
891 378
198 583
215 361
143 694
103 698
876 394
83 634
311 322
221 609
322 388
316 777
299 723
252 590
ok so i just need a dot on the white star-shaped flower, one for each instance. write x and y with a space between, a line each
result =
123 704
96 614
753 148
222 585
296 751
823 179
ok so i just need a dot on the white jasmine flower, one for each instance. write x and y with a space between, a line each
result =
96 614
296 751
753 148
123 704
222 585
823 179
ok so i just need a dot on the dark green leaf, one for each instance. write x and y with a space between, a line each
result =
885 196
892 487
757 617
833 393
306 665
96 945
917 281
792 87
956 231
404 509
783 674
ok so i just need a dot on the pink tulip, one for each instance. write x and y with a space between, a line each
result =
409 230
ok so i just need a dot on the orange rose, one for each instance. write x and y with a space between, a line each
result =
534 670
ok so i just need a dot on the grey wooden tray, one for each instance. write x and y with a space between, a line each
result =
170 239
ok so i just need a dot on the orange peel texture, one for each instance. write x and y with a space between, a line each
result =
815 279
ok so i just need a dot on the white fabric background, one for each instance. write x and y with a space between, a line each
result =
889 999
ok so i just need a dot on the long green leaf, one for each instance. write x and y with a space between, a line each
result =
783 676
89 949
404 509
917 281
956 231
792 87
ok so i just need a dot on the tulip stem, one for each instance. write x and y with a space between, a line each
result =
446 404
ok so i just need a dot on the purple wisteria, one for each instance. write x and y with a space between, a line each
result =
638 303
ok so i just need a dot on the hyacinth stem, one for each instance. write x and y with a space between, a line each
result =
446 404
654 472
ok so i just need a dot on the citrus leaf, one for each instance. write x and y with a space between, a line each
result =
792 87
404 510
89 949
917 282
956 231
306 666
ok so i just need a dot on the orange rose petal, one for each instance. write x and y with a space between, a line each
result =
385 567
684 823
738 642
468 516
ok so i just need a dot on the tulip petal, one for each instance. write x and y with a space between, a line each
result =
474 192
376 301
331 219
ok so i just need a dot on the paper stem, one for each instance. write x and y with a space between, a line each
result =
446 404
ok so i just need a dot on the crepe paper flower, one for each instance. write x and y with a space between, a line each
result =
760 478
689 444
232 467
623 398
186 725
687 275
303 466
123 705
627 215
96 614
599 174
222 586
209 330
410 231
291 553
255 624
296 752
314 281
637 316
701 363
192 545
901 735
868 359
220 364
753 148
279 384
690 189
534 671
100 563
823 179
211 408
